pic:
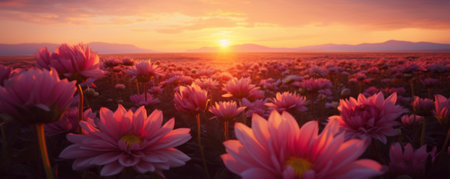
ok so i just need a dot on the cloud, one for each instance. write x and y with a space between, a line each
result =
381 14
204 23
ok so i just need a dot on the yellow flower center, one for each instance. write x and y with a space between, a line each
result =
130 139
299 165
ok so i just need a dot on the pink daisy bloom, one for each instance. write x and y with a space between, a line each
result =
442 105
191 99
123 139
408 161
241 88
257 106
145 70
74 62
207 83
288 101
68 123
119 86
278 148
372 117
36 96
430 82
410 120
139 99
423 106
313 85
5 73
127 62
226 110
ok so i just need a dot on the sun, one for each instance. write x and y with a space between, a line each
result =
224 43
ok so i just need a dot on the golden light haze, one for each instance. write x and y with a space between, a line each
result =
190 24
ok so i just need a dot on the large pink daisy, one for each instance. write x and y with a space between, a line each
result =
367 118
278 148
125 139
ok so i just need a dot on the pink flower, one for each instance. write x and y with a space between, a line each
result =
123 139
36 96
410 120
430 82
408 161
119 86
111 63
412 67
290 79
314 85
241 89
278 148
191 99
139 100
389 91
68 123
207 83
226 109
422 106
257 106
145 70
5 72
442 105
74 62
287 101
372 117
127 62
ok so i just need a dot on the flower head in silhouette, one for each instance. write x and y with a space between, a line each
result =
407 161
5 73
411 120
441 107
423 106
139 99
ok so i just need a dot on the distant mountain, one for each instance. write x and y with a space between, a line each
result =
99 47
112 48
391 45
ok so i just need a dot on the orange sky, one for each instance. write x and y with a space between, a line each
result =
178 25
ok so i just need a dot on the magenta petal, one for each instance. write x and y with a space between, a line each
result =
111 169
257 173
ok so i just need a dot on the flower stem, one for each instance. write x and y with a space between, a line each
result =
375 151
200 146
359 87
4 146
429 93
43 149
137 87
422 135
411 85
225 128
80 102
145 91
444 146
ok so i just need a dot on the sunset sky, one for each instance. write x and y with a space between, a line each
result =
178 25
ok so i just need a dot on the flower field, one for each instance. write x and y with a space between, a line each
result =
74 114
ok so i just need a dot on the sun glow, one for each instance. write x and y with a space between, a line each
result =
224 43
